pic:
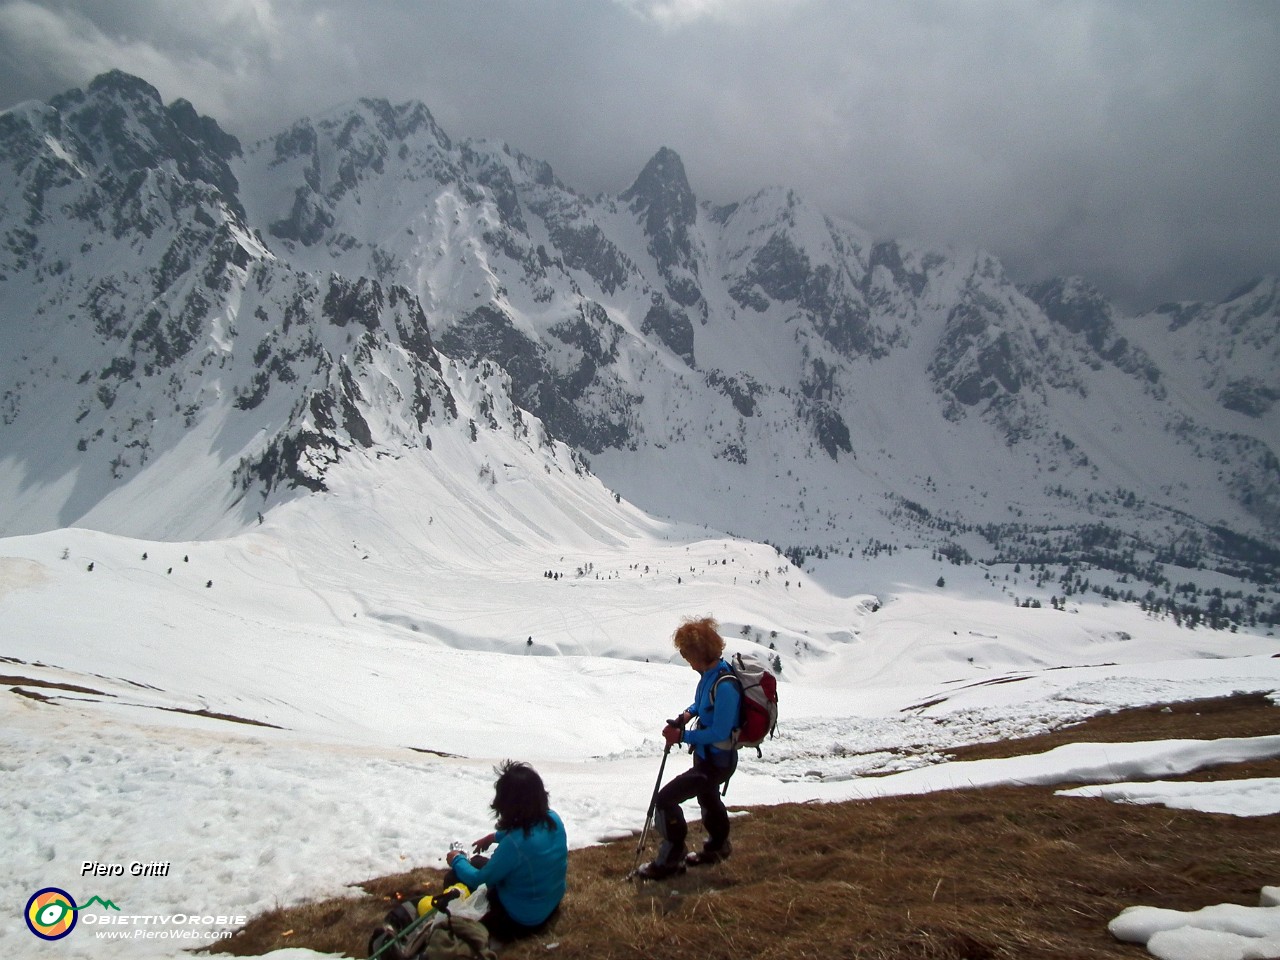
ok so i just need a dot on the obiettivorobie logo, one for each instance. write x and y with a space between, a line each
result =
52 913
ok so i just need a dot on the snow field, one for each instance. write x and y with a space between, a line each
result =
387 644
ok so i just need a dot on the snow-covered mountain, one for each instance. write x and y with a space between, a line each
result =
181 311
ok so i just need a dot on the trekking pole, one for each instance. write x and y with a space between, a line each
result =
653 802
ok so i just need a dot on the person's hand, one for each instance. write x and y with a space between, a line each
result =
671 734
451 856
484 843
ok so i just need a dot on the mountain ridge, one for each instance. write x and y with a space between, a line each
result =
759 366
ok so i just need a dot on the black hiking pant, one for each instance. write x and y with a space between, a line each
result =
703 780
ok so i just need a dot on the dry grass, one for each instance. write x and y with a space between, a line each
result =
995 873
1244 715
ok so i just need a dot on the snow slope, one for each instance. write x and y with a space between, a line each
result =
323 697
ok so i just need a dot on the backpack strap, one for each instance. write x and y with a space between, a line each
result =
727 674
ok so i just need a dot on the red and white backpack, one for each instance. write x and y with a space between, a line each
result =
758 712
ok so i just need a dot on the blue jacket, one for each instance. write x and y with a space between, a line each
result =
527 871
717 722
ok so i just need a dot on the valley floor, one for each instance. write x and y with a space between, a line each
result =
262 721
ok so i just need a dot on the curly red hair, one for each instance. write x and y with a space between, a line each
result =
698 640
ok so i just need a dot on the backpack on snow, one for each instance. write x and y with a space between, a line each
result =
758 711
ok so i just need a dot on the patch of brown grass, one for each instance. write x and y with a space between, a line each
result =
339 926
1242 715
991 874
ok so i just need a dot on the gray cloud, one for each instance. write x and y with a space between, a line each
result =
1131 143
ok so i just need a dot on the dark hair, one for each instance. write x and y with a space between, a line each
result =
519 798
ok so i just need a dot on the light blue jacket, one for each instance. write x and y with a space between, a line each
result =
527 871
716 722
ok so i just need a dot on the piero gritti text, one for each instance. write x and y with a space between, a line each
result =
156 868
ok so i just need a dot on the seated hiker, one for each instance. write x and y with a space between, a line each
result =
525 876
715 706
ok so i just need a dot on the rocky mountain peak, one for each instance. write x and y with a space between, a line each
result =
329 160
118 85
1074 304
663 200
662 191
120 123
1233 346
1267 287
204 130
1079 308
405 120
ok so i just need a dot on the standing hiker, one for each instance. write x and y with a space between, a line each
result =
715 707
526 874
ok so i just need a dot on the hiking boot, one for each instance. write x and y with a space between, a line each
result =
400 916
709 855
660 869
388 937
378 942
387 944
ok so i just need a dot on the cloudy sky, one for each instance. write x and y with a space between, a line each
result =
1134 143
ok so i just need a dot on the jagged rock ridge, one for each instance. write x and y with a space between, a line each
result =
311 294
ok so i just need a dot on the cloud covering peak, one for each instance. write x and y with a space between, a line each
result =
1130 143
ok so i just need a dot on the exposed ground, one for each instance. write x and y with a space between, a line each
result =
992 874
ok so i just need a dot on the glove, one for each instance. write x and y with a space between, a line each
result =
671 735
